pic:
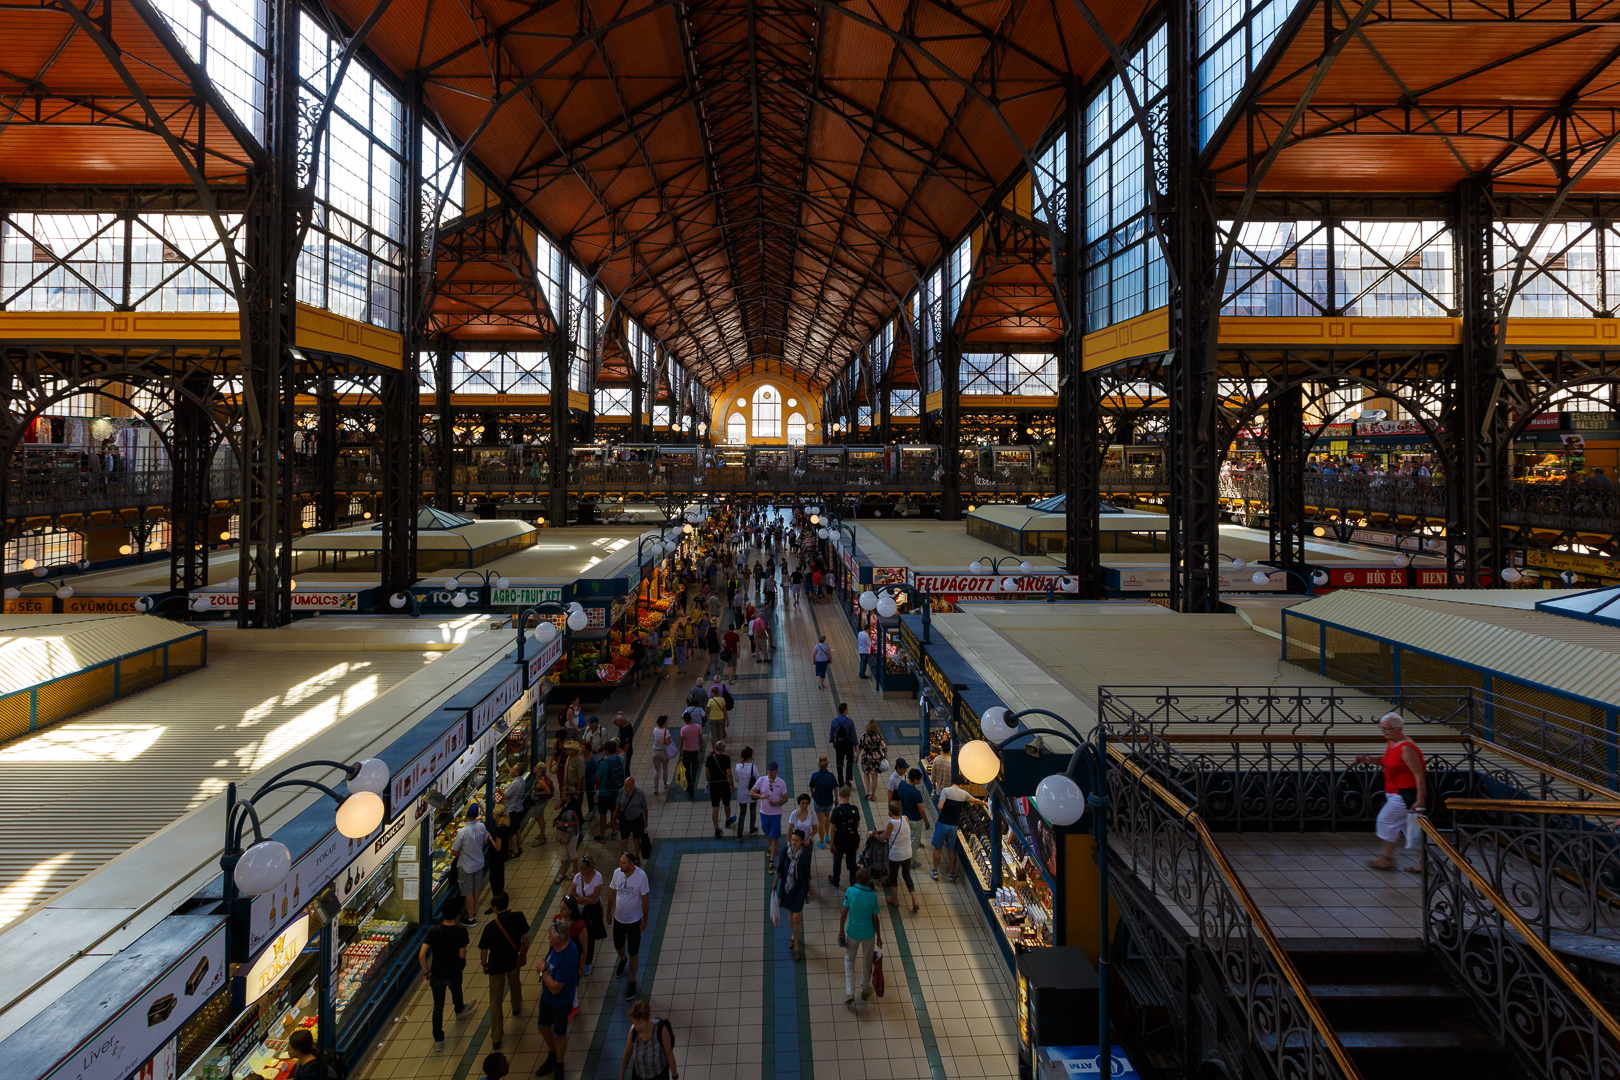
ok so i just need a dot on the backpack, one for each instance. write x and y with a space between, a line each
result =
612 778
731 702
665 1024
875 857
846 829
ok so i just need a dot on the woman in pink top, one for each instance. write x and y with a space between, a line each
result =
691 753
762 648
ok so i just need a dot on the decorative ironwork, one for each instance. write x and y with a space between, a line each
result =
1169 848
1540 1009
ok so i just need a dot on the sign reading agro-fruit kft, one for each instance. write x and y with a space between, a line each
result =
523 596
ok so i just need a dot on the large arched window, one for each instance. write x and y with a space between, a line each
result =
737 428
767 413
795 429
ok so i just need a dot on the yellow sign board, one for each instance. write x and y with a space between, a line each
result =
99 605
29 605
1580 564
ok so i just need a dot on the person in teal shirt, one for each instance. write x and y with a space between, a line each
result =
862 933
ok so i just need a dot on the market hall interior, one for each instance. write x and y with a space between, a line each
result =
1192 427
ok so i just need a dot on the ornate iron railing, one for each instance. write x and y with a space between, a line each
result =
1227 739
1170 849
1538 1005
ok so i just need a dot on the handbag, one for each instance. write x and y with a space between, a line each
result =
670 749
877 971
776 908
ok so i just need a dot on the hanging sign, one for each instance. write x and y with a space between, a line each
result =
525 596
545 656
272 964
301 601
496 704
416 776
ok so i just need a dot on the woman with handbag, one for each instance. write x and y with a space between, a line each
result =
588 891
663 750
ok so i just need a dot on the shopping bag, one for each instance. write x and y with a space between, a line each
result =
672 750
877 971
1414 831
776 908
680 775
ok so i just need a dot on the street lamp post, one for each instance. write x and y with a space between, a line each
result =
882 602
1062 800
1262 576
574 618
265 864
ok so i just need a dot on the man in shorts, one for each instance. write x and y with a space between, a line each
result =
632 810
771 792
629 902
717 770
471 870
559 976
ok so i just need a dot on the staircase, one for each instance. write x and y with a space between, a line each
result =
1397 1014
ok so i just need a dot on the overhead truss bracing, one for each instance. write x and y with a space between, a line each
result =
749 180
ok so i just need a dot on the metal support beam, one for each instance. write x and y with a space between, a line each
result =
192 442
268 332
444 435
1193 446
1285 465
1079 413
950 428
1475 425
326 454
560 442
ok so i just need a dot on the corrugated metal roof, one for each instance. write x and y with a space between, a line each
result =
142 762
1563 654
38 648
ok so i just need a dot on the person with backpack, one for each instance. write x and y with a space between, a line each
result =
443 957
845 821
649 1049
503 949
743 775
559 977
717 770
609 779
843 738
823 790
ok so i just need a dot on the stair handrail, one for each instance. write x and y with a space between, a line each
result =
1508 973
1274 951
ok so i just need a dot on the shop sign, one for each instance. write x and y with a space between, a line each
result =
525 597
1085 1061
496 704
1547 421
301 601
910 642
1376 577
145 1024
980 584
468 761
1590 421
99 605
936 678
1573 444
544 657
29 605
1580 564
273 963
889 575
1391 427
1329 431
967 724
163 1064
376 853
1230 580
273 910
1384 539
416 776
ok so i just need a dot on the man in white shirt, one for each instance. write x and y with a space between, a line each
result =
771 792
471 873
863 645
629 901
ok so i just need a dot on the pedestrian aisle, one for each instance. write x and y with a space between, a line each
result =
711 961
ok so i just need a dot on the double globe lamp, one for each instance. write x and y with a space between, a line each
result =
1058 797
266 864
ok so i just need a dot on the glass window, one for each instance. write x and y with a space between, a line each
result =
61 262
1026 374
49 547
796 429
905 402
1233 36
660 416
442 177
737 428
227 40
353 259
613 402
767 413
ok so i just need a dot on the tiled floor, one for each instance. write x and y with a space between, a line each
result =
714 965
1311 885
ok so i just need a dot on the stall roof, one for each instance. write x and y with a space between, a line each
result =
38 648
468 537
1595 605
1568 655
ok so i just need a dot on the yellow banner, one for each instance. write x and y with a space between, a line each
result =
1580 564
99 605
29 605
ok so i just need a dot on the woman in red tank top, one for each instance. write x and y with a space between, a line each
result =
1405 787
